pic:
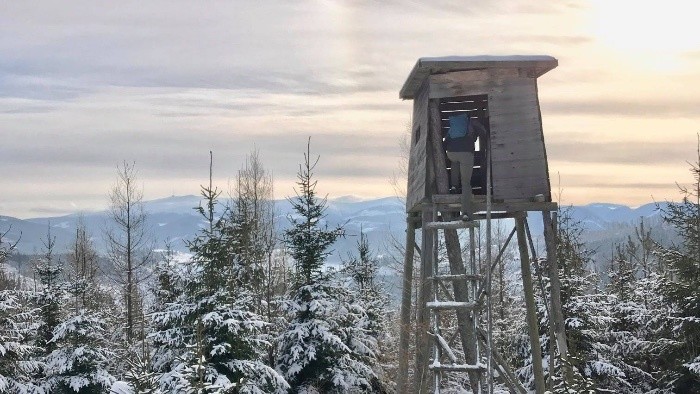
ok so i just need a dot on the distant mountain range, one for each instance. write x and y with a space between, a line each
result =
175 219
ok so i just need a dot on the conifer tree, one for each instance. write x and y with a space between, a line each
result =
680 342
74 334
313 351
50 297
369 335
626 336
208 337
17 327
587 318
79 362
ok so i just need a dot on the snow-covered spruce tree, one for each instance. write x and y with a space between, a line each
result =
208 337
370 333
680 369
637 308
79 362
586 318
50 297
17 325
78 349
314 355
18 369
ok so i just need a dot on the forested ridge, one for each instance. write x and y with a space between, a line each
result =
251 310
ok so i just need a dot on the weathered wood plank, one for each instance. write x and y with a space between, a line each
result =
474 76
451 305
508 191
501 142
460 89
457 277
463 106
522 179
525 151
452 225
421 375
426 66
518 91
406 328
520 188
416 176
462 84
457 367
515 121
418 170
415 198
526 102
514 155
549 184
510 206
526 168
525 132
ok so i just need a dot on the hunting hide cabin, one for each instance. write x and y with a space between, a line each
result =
499 91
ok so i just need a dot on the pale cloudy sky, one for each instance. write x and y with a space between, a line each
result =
85 85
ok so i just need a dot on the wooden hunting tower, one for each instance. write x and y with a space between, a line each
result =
501 91
510 178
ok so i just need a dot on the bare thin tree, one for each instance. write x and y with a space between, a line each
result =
254 208
129 241
82 266
6 248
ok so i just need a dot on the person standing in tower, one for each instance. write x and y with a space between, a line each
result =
459 146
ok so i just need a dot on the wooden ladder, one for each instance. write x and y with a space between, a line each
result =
444 358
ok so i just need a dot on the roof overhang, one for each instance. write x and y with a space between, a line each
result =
426 66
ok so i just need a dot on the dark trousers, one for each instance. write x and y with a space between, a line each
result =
462 167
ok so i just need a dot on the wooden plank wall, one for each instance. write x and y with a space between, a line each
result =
417 190
519 159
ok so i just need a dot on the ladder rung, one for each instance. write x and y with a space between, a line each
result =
457 367
455 224
450 305
456 277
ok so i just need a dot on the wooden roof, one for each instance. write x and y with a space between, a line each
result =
440 65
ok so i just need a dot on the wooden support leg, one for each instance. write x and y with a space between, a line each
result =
555 290
547 307
405 324
533 330
423 343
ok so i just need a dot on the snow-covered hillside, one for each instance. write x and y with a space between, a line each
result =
174 219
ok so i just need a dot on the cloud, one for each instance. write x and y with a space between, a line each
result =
652 107
84 86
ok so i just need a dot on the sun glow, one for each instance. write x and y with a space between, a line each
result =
651 34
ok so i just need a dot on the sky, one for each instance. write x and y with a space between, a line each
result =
86 85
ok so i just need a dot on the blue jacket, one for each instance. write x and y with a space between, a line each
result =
463 133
